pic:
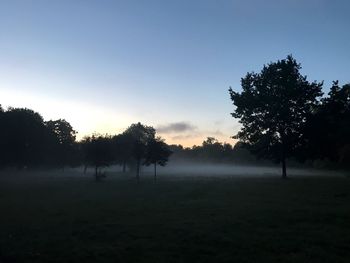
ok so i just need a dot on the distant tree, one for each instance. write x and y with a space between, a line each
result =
227 151
212 149
241 154
157 152
65 138
140 136
273 107
122 149
98 152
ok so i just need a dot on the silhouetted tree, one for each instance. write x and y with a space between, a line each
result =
98 152
140 136
122 149
157 152
25 140
328 128
212 149
65 135
273 107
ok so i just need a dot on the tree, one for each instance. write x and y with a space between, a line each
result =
65 139
273 107
140 136
212 149
327 130
98 152
157 152
122 149
25 141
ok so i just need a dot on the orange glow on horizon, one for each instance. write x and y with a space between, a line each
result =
87 119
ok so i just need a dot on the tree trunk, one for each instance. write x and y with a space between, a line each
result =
283 159
138 170
284 169
155 172
85 168
96 176
124 166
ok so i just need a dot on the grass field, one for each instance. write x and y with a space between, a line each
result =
47 218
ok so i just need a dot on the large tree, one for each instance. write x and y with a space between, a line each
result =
273 107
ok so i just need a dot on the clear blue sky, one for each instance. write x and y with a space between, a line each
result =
104 64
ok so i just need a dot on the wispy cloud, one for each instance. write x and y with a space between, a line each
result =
217 133
176 127
184 137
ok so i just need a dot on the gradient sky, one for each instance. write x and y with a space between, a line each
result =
103 65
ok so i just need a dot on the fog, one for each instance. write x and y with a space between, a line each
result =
185 169
181 170
231 170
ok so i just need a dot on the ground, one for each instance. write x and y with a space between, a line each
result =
60 218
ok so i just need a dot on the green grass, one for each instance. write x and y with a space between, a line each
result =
53 219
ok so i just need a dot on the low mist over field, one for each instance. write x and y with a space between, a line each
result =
189 170
225 170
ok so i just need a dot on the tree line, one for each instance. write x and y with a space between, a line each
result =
283 116
213 151
138 145
27 142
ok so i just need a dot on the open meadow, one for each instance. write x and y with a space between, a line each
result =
67 217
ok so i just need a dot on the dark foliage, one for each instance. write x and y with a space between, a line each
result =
65 137
139 136
157 153
213 151
328 128
122 149
98 152
26 141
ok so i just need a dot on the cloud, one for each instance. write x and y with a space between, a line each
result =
184 137
176 127
218 133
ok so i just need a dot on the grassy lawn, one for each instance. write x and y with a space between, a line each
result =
53 219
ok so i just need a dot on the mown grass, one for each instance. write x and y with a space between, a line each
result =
66 219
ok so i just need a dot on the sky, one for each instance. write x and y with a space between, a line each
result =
104 64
